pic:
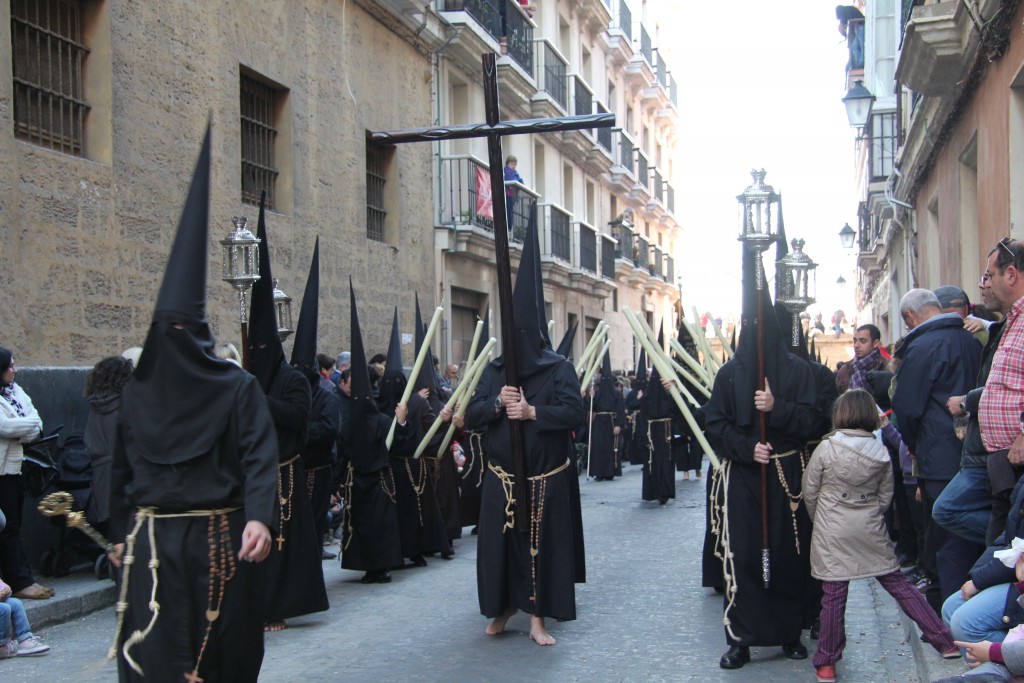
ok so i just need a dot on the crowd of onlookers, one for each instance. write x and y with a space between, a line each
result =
952 396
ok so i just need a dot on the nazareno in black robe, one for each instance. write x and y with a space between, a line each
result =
604 455
657 412
759 617
507 575
293 572
239 471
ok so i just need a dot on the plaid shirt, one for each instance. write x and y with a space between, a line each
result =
1001 410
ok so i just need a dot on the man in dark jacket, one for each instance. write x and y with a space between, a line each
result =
938 359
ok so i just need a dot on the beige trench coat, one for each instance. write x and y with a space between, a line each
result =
847 487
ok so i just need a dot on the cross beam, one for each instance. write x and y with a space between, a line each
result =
494 129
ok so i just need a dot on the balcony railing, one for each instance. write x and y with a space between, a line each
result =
646 47
623 236
609 251
460 186
626 155
624 22
659 190
552 70
604 135
582 97
518 32
657 271
670 270
588 248
559 232
673 91
670 198
486 12
642 253
661 71
643 175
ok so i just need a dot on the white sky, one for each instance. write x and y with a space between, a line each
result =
760 85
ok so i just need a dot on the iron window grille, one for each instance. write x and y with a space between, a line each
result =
48 55
258 105
375 179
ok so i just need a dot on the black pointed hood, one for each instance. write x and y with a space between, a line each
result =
486 336
266 354
427 378
605 401
361 394
393 383
533 349
177 402
565 346
641 370
657 402
304 344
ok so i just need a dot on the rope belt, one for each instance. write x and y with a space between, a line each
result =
476 444
222 570
286 508
609 412
508 485
667 421
346 515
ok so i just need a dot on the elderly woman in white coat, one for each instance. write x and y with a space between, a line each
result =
19 424
847 487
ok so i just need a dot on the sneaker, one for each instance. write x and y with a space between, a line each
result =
952 654
826 673
923 584
9 649
32 647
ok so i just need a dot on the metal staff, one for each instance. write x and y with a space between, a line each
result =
656 356
58 504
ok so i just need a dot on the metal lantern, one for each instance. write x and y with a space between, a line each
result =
756 232
795 283
283 309
241 261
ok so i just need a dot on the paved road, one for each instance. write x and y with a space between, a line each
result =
641 617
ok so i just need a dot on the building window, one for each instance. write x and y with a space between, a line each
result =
259 107
883 144
376 180
48 55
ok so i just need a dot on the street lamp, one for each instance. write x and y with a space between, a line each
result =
795 281
241 270
846 236
858 103
283 309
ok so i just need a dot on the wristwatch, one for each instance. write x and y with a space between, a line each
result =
497 403
963 405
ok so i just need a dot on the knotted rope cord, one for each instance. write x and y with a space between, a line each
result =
650 441
146 515
471 460
346 517
507 486
393 493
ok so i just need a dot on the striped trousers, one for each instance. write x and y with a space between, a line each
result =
832 640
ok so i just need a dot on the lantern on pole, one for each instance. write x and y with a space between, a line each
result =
283 309
241 251
795 283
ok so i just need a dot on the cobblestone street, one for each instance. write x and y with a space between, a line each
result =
642 616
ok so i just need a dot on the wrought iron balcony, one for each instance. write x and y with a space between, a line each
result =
646 47
486 12
518 33
465 180
583 98
659 190
623 236
553 73
673 91
626 152
643 174
670 269
588 248
642 253
657 271
670 198
661 70
624 20
558 232
604 135
609 250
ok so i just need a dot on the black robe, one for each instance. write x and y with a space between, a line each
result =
422 528
240 471
371 540
507 574
608 413
657 415
636 443
320 452
760 617
293 572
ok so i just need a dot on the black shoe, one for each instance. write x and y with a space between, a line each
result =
816 628
385 577
475 531
327 555
735 657
662 501
419 561
795 650
448 555
369 577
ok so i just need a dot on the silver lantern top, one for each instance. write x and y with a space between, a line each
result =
756 231
283 309
795 283
241 256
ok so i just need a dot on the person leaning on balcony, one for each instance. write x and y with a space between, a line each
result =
511 192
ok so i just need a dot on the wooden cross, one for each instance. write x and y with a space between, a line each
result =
280 543
494 129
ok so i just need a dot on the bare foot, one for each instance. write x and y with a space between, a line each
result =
538 633
497 626
275 626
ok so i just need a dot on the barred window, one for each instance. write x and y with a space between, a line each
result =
377 156
259 112
48 54
883 144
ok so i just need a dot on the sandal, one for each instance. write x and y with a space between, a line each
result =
35 592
